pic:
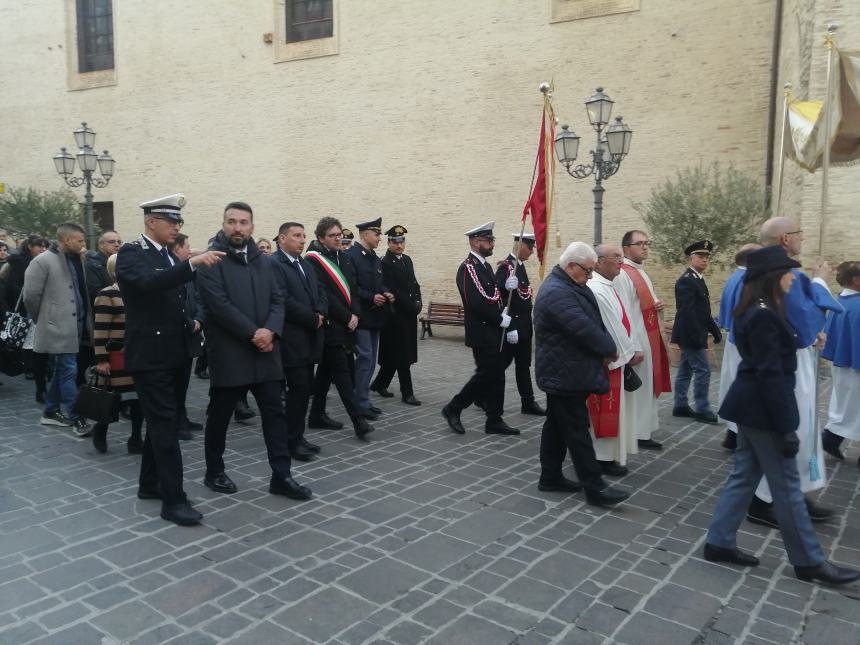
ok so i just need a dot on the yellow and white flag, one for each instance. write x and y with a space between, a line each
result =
805 124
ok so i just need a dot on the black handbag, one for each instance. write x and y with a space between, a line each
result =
101 404
15 328
632 382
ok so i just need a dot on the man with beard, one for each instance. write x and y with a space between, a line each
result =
156 348
244 313
337 275
486 320
398 343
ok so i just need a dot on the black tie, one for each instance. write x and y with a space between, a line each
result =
165 256
241 255
299 268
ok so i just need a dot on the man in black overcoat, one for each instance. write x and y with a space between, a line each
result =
398 342
337 277
693 323
157 348
244 312
486 321
513 282
305 310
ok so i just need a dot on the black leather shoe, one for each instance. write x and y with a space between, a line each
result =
243 412
289 487
500 427
613 468
310 446
204 374
134 445
606 497
182 514
707 417
145 492
370 414
831 442
730 442
532 407
375 410
100 437
683 411
559 485
185 435
193 426
220 483
381 391
733 556
453 418
827 572
818 513
649 444
410 399
760 512
300 453
324 422
362 428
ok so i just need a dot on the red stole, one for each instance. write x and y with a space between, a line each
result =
605 409
659 355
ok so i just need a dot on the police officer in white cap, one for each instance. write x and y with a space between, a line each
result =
486 320
157 347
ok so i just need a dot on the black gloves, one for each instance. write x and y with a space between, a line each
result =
718 336
789 445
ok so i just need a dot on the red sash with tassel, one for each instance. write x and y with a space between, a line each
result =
659 355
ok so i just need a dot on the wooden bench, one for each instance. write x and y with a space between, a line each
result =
441 313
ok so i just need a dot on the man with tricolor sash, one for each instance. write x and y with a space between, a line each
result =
337 275
613 415
646 318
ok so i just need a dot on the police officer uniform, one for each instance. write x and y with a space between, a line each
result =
518 340
157 349
485 320
347 239
398 342
693 322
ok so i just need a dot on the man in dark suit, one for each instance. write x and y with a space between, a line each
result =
157 339
693 322
376 300
244 312
305 309
398 341
337 277
486 320
513 282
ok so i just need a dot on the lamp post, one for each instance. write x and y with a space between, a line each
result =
85 138
613 144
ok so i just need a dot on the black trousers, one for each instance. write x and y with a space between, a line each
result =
159 393
521 355
85 358
566 428
221 405
299 382
183 413
404 374
487 383
334 368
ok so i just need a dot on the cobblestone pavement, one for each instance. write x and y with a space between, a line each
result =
422 536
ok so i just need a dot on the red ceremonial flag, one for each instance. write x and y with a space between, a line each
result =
539 204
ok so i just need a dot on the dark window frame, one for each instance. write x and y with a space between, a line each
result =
309 20
95 35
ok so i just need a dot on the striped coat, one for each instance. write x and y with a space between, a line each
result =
110 325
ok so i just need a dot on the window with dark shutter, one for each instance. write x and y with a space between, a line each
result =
309 20
95 35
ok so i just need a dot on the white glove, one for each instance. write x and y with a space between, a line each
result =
512 283
506 319
513 337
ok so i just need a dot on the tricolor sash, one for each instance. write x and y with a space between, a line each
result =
659 355
605 409
333 272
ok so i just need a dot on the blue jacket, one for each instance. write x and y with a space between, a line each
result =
304 299
368 273
571 341
762 395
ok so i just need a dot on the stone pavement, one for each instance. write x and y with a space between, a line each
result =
422 536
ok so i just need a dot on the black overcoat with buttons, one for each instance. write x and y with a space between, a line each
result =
693 319
482 303
157 333
398 343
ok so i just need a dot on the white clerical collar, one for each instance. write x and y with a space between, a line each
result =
633 264
480 257
601 279
849 292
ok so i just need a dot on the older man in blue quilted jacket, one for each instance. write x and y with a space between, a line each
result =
572 351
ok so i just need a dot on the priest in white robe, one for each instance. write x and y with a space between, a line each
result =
613 415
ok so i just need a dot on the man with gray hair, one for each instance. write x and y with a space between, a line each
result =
573 348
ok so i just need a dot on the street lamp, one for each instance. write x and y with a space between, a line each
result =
613 144
88 160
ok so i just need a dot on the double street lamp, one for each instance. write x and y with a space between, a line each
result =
88 160
613 144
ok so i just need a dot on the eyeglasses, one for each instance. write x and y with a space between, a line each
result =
487 238
642 243
798 232
587 271
333 235
615 258
174 222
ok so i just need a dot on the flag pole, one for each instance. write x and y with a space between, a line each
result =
786 92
